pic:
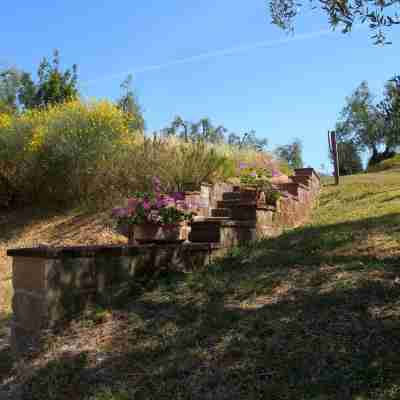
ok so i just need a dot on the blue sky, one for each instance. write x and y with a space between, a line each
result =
222 59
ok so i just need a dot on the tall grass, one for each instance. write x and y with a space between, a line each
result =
87 154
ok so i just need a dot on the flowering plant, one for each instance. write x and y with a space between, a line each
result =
259 178
255 176
154 208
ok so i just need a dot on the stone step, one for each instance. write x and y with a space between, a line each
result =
227 203
303 179
221 212
231 196
226 232
205 231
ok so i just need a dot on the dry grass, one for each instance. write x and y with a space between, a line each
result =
313 314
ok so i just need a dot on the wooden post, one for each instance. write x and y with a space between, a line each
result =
334 153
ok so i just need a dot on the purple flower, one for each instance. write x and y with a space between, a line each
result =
178 196
275 172
254 174
146 205
243 165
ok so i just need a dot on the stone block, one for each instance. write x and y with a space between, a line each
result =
235 235
264 217
28 273
30 311
231 196
221 212
205 233
244 213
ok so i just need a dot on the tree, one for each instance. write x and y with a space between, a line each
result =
205 130
292 153
363 123
202 130
129 104
247 140
389 109
53 86
378 14
9 84
349 159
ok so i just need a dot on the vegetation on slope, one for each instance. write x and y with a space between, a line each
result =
313 314
392 163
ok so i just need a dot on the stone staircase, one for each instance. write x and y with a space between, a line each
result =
240 216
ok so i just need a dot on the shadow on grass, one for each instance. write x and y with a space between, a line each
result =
6 358
308 315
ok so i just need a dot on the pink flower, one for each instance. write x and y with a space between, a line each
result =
146 205
164 201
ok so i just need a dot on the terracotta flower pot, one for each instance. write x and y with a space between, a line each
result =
153 233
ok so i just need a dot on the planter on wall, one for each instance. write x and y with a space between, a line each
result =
153 233
251 194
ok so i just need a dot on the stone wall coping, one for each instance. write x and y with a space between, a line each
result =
297 184
310 171
49 252
228 223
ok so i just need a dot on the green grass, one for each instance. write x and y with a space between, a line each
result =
313 314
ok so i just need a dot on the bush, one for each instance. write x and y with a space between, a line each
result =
63 154
87 154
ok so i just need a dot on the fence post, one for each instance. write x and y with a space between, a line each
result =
334 153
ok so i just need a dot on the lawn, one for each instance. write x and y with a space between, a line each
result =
313 314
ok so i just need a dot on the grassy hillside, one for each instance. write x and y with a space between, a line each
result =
313 314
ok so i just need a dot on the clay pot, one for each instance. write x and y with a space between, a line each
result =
152 233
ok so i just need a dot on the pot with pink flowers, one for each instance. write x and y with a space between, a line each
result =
153 217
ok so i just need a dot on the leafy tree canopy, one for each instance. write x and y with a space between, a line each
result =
9 84
292 153
206 131
129 104
369 125
19 91
53 86
378 14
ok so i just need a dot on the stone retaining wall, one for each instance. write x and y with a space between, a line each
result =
53 284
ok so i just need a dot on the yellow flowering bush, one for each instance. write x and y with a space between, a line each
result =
87 153
5 120
57 153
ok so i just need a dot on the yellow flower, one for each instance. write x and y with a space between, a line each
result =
5 120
